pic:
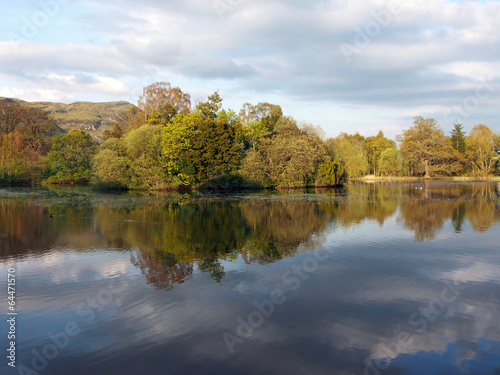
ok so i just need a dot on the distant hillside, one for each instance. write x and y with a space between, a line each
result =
92 117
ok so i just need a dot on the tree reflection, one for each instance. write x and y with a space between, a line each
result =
430 206
161 269
170 239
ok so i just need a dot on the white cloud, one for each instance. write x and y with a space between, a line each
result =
429 55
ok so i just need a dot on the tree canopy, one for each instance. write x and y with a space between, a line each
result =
425 144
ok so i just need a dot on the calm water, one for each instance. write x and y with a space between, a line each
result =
386 279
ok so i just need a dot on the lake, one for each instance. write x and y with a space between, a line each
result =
397 278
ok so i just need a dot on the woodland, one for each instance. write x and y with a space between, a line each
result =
167 142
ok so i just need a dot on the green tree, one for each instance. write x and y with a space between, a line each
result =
374 146
331 173
480 150
390 162
177 137
425 144
458 138
115 132
201 146
70 158
351 153
288 159
266 113
134 161
210 108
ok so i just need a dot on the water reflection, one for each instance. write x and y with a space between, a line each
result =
173 238
160 279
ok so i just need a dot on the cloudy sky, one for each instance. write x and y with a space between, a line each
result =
347 65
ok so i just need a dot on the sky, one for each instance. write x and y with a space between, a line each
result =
346 65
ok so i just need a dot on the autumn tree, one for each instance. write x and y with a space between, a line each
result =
426 144
480 150
9 116
159 94
131 119
11 157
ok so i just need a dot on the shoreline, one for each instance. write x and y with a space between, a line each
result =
416 179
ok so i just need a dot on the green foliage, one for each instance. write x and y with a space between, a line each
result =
265 113
331 173
176 146
70 157
134 161
426 145
116 132
162 115
288 159
374 146
480 150
350 150
458 138
201 146
214 149
211 107
390 162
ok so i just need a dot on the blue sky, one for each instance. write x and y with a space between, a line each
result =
346 65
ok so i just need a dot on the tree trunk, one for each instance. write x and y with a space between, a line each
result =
426 167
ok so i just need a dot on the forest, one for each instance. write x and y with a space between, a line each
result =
167 142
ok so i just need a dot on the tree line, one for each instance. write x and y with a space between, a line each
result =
167 142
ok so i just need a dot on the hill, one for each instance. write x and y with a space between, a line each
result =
92 117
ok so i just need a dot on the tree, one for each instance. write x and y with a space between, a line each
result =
214 150
162 115
9 116
11 156
350 151
331 173
374 146
210 108
288 159
134 161
201 146
267 114
425 143
159 94
390 162
176 144
253 132
115 132
70 158
458 138
131 119
480 149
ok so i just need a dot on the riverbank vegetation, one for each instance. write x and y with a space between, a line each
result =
167 142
